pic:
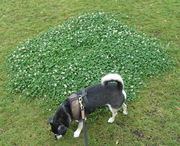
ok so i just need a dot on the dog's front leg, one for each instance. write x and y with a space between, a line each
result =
78 131
125 111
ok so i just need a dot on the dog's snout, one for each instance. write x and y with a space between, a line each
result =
57 136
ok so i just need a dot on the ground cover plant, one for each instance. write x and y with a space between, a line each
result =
79 52
153 117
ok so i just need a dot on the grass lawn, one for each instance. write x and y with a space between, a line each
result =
153 118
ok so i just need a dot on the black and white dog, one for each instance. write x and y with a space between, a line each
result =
107 93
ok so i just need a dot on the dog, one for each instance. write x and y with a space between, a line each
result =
109 92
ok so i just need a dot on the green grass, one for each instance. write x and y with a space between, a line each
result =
155 113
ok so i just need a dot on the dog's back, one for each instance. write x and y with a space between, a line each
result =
106 93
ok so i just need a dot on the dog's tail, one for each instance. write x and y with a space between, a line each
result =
113 77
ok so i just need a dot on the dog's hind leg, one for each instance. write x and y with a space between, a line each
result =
78 131
125 111
114 113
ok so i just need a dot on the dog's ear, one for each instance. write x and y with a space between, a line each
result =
51 120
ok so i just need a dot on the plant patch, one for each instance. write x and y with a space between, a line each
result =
78 52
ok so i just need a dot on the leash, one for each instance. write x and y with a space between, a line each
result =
83 119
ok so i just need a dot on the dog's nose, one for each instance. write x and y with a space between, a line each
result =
58 136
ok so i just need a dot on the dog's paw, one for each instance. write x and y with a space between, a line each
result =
125 112
76 134
111 120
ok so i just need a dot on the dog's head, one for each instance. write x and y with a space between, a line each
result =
60 122
59 129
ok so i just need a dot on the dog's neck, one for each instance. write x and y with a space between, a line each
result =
65 113
67 109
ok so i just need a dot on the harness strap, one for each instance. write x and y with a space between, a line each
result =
73 98
84 96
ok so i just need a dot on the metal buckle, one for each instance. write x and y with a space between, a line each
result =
81 102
